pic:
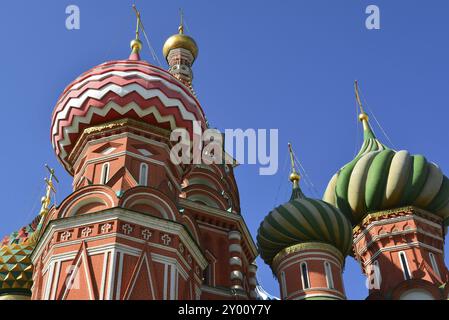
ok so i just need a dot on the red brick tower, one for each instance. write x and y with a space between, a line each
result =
305 242
138 226
399 206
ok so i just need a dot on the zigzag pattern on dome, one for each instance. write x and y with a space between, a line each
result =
133 89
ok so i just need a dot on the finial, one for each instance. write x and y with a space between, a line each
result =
136 44
49 189
294 176
362 116
181 24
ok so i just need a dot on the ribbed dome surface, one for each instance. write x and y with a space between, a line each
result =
303 220
380 178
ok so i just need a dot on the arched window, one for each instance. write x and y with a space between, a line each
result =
434 264
207 275
143 175
305 276
377 275
404 265
328 273
283 285
105 173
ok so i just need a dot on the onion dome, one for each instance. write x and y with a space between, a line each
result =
180 41
16 268
380 178
121 89
302 220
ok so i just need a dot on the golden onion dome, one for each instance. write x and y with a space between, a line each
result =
180 40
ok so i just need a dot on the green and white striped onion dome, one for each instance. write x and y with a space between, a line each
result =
303 220
380 178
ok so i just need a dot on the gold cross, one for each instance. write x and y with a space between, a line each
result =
356 89
49 189
139 22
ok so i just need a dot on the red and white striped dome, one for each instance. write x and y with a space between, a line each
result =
121 89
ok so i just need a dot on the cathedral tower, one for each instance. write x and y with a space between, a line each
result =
305 241
399 206
137 225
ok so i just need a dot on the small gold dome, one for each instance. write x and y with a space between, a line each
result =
180 40
294 177
363 117
136 44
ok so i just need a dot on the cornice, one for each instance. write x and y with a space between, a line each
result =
124 215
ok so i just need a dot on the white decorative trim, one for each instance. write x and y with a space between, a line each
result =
165 282
403 232
103 274
303 257
49 282
69 205
56 282
399 247
395 220
111 273
125 216
119 276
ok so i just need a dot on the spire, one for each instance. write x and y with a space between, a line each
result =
136 44
49 189
363 117
180 51
370 142
181 24
294 176
46 200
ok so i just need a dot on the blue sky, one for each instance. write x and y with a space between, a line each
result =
287 65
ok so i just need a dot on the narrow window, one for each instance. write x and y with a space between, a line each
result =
434 264
105 173
404 264
208 275
377 276
305 276
329 277
143 176
283 285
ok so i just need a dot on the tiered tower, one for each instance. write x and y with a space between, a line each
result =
137 225
305 241
399 206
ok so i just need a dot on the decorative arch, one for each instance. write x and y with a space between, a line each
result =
88 199
150 200
406 289
192 227
206 195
